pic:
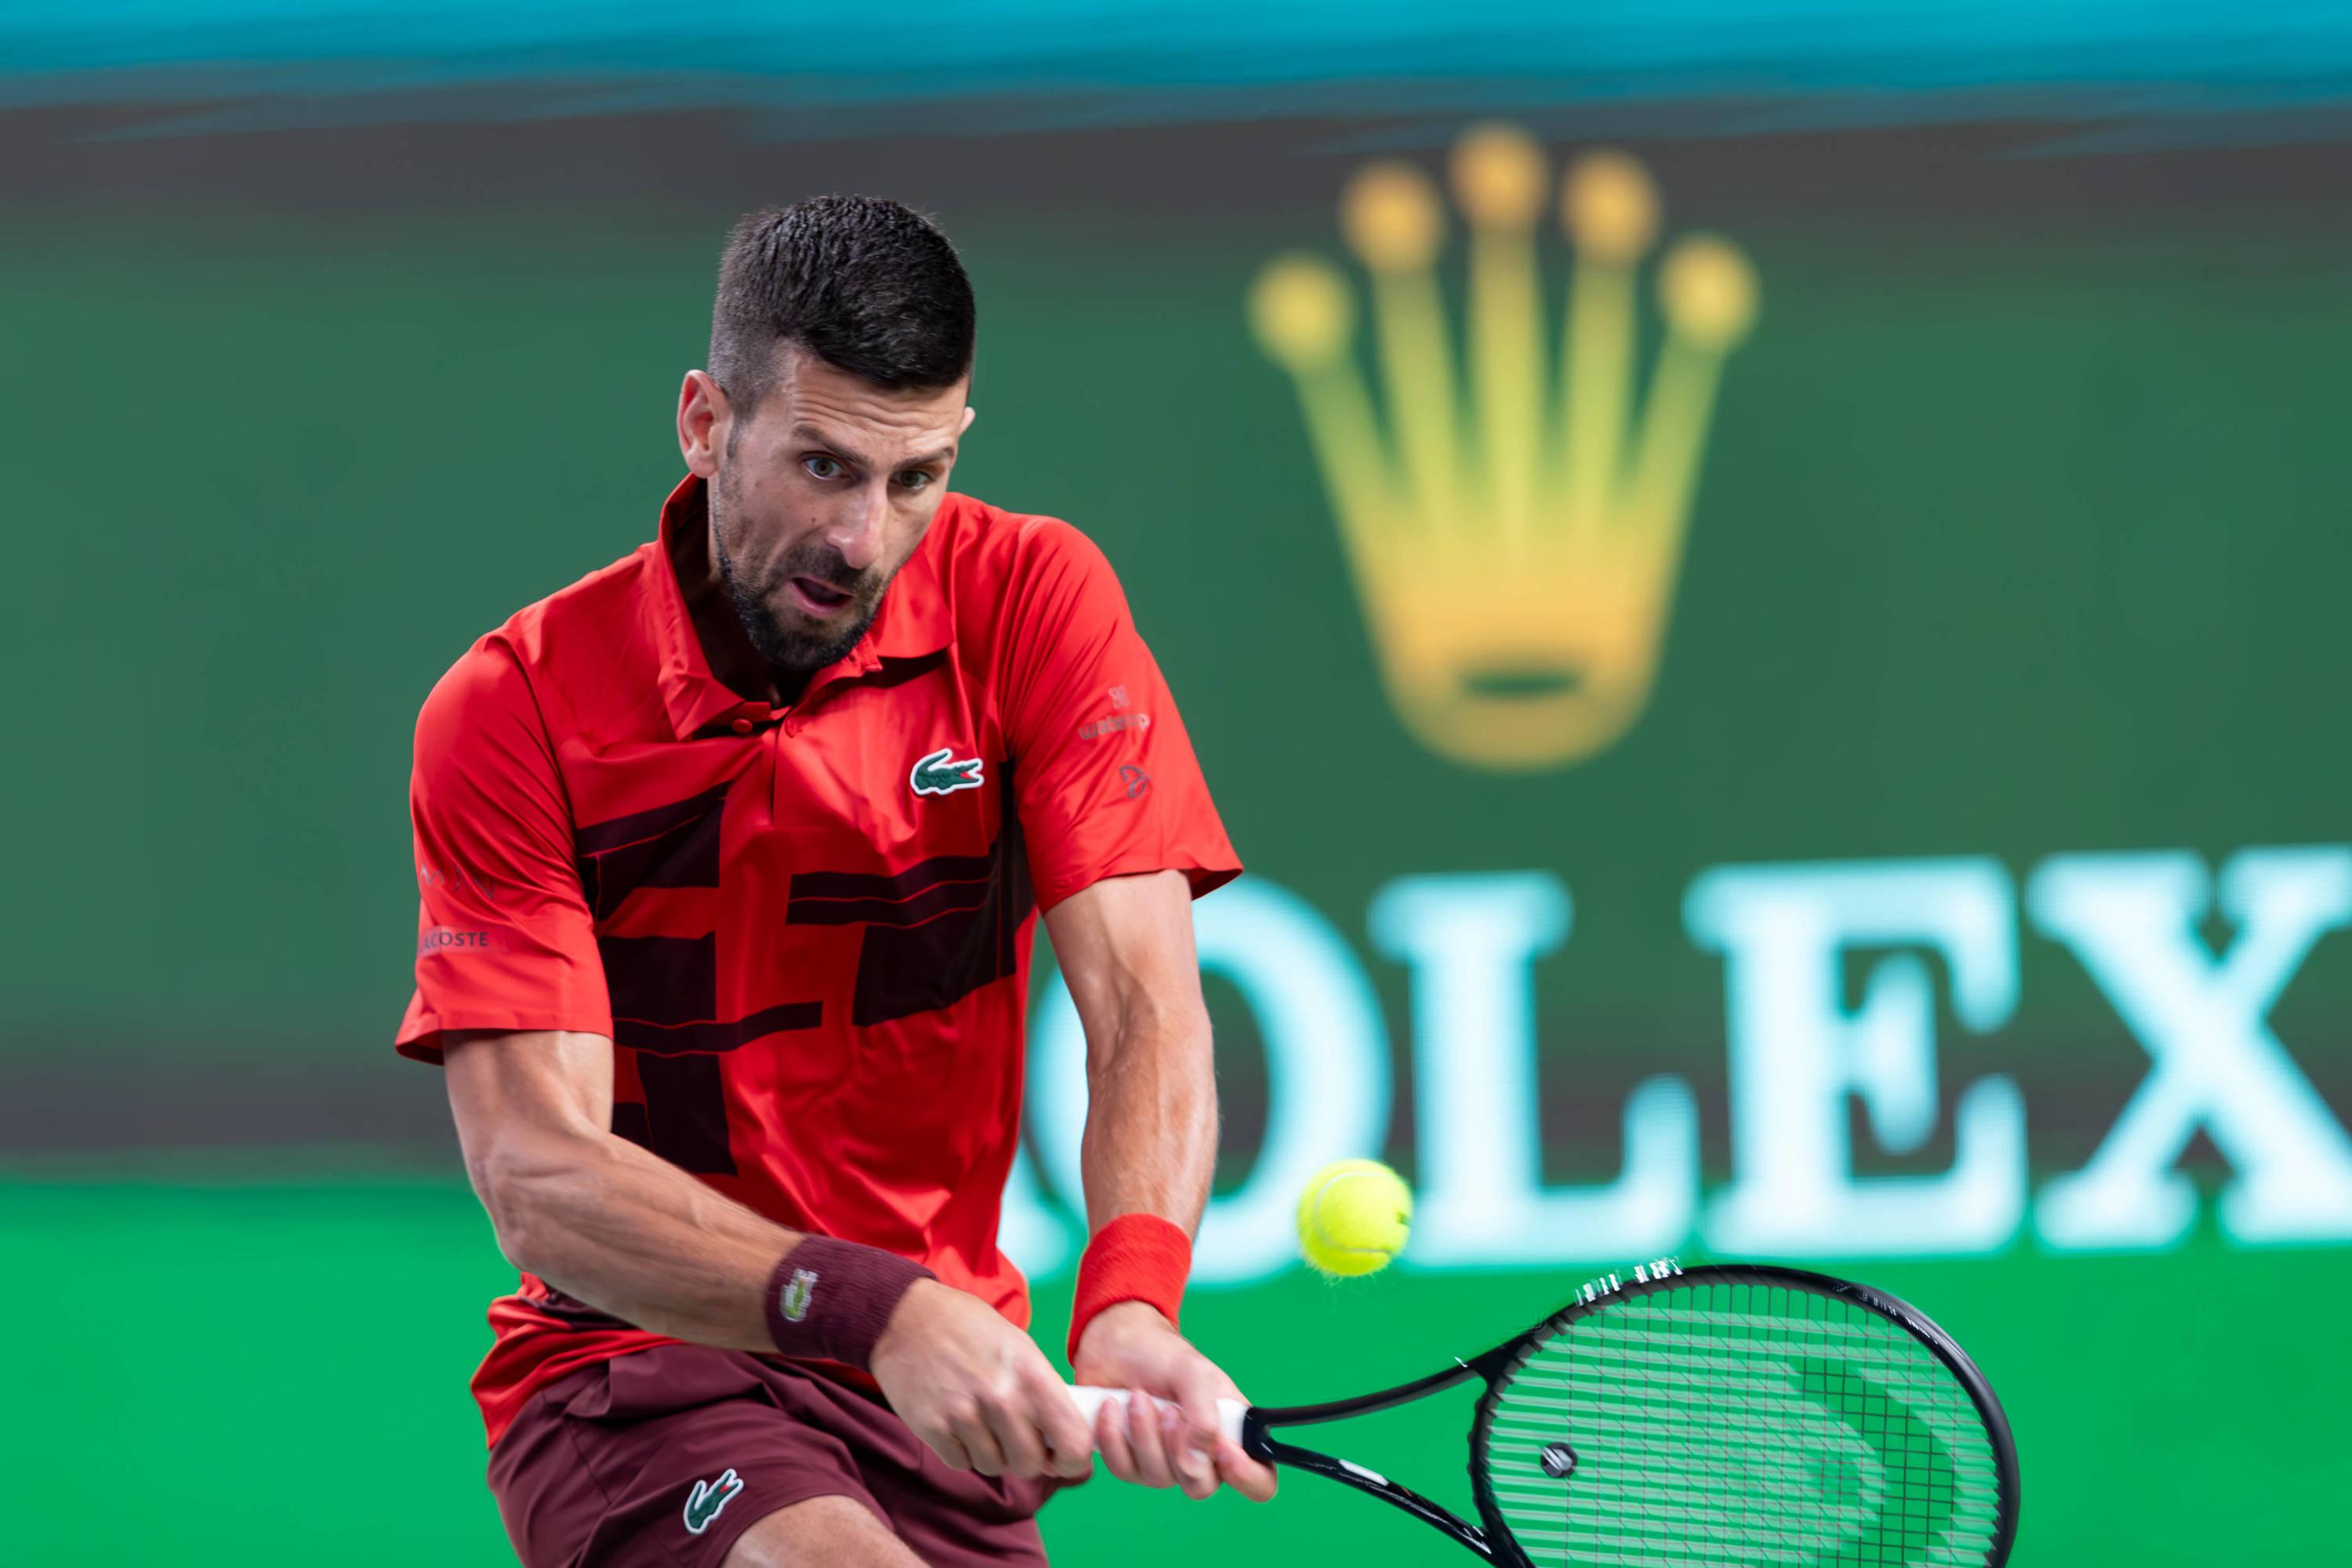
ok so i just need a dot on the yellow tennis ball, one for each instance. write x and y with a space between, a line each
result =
1353 1217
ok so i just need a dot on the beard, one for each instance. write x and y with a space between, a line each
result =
785 637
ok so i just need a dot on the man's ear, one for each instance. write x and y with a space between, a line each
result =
704 417
969 413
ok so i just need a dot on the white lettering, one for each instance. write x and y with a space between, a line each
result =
1327 1072
1472 941
1796 1053
2215 1064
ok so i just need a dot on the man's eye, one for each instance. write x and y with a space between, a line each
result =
822 468
914 479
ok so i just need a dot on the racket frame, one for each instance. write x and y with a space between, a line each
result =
1261 1444
1491 1537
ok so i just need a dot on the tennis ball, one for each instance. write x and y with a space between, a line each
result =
1353 1217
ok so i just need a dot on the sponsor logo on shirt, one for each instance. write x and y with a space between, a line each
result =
428 878
940 774
1114 724
1136 779
708 1498
464 939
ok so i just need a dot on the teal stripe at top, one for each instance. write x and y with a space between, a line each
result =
1164 57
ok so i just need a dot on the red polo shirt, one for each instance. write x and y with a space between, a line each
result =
805 929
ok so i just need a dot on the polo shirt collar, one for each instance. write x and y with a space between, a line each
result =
912 622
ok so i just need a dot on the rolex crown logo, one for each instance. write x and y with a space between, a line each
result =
1514 543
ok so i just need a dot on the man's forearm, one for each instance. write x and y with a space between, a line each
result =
1151 1143
602 1219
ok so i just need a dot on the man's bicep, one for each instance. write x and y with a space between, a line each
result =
515 1091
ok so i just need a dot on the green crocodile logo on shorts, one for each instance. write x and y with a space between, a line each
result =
940 774
797 1291
703 1504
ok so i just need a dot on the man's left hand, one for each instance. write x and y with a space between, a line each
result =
1129 1345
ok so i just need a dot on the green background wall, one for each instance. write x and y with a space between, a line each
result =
2021 532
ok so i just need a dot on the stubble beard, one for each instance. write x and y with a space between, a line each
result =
796 651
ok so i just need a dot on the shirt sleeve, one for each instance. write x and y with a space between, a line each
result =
504 936
1104 777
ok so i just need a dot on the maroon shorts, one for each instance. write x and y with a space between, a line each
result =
661 1459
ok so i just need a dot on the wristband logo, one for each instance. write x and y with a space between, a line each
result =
797 1292
1515 548
704 1503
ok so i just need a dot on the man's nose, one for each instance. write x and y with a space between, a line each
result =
856 529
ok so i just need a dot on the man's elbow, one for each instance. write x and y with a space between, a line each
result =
521 1181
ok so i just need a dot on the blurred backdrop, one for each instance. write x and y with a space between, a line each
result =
1761 589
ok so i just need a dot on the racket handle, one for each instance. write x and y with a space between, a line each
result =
1091 1400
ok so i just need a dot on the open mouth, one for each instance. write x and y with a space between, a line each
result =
818 598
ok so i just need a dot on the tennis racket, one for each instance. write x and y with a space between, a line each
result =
1687 1418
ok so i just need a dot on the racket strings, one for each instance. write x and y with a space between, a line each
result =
1730 1422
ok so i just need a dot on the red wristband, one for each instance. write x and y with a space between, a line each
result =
830 1300
1135 1257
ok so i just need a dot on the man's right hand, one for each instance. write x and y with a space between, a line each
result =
978 1390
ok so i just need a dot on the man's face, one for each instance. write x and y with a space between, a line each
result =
819 495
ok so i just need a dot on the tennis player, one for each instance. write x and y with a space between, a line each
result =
730 854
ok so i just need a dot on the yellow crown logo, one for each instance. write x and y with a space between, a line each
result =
1516 553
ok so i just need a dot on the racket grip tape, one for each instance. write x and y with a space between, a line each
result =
1090 1402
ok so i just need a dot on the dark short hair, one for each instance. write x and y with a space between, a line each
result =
865 283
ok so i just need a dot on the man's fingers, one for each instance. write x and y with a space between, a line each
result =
1110 1440
980 1443
1196 1475
1197 1394
1011 1423
951 1450
1069 1444
1247 1475
1148 1439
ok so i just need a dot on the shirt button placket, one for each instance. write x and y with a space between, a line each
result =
774 761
